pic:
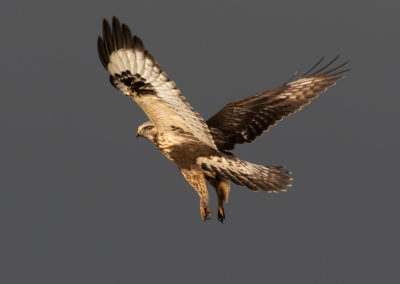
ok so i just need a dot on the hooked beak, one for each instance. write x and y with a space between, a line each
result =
138 134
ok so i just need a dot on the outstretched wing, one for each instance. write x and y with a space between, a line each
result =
243 120
135 73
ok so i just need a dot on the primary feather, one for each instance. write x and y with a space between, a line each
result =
242 121
135 73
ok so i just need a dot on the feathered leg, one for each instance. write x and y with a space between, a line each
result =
222 187
196 179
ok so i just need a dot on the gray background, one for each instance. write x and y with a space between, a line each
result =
83 201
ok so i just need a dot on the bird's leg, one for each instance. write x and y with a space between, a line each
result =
195 178
205 213
221 211
222 187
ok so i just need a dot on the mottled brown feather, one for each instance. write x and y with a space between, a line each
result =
244 120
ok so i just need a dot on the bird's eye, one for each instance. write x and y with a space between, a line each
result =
150 127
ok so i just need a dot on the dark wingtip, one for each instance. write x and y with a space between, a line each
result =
315 65
329 72
102 53
327 65
115 37
138 44
127 36
117 34
107 37
106 24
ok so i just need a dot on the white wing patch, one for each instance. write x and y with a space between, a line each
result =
130 64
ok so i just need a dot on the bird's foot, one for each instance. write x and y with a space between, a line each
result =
205 213
221 214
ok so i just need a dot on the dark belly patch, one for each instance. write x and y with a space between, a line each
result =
186 154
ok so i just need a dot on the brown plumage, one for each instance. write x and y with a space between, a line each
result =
180 133
243 120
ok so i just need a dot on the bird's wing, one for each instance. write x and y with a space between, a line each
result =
135 73
271 179
243 120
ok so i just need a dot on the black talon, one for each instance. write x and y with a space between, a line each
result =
221 215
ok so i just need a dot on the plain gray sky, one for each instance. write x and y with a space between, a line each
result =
83 201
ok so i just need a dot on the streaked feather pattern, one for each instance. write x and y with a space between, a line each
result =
243 120
135 73
270 179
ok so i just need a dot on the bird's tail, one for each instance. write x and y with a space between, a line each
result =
270 179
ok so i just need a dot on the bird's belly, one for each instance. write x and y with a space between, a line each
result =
165 144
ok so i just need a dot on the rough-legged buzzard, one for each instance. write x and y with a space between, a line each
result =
199 148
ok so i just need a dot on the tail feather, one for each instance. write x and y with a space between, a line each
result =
270 179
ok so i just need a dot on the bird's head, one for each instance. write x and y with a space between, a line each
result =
147 130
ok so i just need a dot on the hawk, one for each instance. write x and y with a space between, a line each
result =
199 148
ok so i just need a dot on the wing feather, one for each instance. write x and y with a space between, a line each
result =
135 73
243 120
271 179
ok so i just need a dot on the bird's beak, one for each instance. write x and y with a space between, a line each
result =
138 134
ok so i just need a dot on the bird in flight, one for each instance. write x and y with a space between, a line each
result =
200 148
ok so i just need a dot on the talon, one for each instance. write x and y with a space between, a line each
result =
221 214
205 213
